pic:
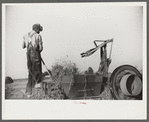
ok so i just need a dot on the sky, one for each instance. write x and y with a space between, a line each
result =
70 29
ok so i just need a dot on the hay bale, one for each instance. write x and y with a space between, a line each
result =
8 80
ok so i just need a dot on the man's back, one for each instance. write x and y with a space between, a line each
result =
34 39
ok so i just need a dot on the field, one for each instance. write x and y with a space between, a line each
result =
16 90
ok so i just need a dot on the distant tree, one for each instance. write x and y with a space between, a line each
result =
86 72
62 67
90 70
71 68
8 80
75 69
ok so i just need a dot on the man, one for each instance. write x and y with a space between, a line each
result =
33 42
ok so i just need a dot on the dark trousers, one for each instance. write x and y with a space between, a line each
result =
35 71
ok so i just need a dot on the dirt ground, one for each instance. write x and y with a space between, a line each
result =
16 90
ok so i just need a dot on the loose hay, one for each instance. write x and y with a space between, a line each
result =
54 93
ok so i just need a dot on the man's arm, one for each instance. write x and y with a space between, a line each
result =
23 44
40 43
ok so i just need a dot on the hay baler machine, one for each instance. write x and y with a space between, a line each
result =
125 82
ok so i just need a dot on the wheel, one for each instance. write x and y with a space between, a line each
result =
126 83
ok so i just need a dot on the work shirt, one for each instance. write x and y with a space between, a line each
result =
35 40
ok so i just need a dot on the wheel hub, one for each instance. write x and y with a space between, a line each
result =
130 85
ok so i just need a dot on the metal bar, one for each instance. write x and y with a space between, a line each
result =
46 67
110 51
85 90
105 42
95 43
100 40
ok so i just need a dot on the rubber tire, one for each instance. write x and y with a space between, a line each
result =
113 79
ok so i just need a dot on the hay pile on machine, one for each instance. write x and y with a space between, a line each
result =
125 82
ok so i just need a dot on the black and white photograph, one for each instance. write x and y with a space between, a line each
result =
69 60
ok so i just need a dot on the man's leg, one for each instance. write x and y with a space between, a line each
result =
38 72
29 66
29 85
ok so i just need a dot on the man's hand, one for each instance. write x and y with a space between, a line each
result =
23 45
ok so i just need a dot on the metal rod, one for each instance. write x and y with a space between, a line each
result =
100 40
105 42
110 51
46 67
